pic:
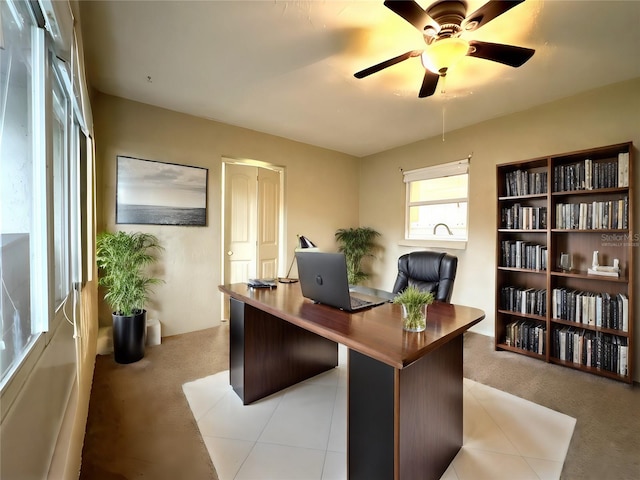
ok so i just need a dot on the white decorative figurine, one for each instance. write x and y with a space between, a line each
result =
609 271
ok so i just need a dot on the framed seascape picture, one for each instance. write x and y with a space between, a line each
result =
159 193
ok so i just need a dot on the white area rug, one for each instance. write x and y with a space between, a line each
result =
300 433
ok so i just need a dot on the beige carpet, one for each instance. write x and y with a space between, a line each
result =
606 440
140 424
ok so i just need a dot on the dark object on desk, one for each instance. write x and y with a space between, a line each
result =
258 283
323 279
430 271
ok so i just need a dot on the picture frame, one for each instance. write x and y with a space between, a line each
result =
149 192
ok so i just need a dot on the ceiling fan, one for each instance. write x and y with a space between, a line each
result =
442 25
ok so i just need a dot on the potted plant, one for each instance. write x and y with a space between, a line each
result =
414 308
356 243
122 258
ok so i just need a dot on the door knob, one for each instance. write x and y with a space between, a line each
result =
229 253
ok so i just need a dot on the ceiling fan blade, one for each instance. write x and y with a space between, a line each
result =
387 63
497 52
488 12
412 13
429 84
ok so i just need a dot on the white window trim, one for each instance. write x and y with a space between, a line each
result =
458 167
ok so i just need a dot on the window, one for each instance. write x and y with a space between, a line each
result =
39 154
61 204
23 296
437 202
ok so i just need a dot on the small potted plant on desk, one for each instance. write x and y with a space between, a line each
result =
121 258
414 304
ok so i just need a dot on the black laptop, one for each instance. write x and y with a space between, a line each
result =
323 279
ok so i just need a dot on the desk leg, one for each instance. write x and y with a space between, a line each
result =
268 354
405 424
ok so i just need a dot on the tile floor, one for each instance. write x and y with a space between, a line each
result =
300 433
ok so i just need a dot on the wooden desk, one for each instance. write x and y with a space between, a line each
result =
405 389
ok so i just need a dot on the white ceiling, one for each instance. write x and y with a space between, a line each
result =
286 67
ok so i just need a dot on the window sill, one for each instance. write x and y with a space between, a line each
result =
448 244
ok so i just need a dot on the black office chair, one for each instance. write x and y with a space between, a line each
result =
430 271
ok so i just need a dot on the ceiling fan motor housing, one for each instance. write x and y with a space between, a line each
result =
448 12
449 15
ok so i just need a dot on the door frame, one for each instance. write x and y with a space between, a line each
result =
282 256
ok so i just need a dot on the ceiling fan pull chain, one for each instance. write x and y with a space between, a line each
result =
443 123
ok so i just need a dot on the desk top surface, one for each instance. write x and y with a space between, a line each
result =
376 332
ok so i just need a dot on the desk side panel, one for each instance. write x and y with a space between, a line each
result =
269 354
236 346
371 418
430 414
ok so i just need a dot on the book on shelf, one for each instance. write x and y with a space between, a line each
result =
522 254
522 217
589 174
591 349
524 300
600 310
624 305
623 169
523 182
526 335
609 214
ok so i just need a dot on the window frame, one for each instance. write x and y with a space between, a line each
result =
49 72
63 211
459 167
40 305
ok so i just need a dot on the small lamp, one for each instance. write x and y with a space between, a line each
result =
303 244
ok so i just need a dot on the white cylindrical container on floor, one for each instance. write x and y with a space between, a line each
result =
153 332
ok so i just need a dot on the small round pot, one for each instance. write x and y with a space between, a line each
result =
414 318
129 335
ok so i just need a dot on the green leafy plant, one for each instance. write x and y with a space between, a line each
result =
413 300
356 243
122 258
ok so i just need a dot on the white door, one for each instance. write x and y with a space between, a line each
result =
252 224
240 230
268 223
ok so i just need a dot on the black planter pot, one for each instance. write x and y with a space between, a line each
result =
129 335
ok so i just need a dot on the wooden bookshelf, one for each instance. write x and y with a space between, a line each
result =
573 203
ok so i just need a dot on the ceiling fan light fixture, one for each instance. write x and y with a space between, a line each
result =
443 54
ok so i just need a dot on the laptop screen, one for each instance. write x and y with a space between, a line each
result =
323 278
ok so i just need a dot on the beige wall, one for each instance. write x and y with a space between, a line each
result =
326 190
321 194
602 117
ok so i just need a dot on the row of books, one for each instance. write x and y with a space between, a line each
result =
589 175
523 182
524 300
524 218
602 310
521 254
592 349
610 214
527 335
